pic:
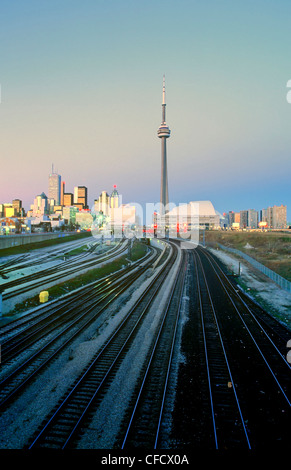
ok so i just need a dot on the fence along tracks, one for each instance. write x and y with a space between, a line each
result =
267 323
242 373
260 374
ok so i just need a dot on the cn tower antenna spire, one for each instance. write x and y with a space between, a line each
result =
164 102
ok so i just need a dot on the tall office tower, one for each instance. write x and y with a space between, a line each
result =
253 218
231 218
75 194
54 190
270 217
83 196
62 192
17 205
40 205
102 204
114 199
279 216
68 199
244 219
164 133
263 215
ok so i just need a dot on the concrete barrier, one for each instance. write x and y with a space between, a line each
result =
9 241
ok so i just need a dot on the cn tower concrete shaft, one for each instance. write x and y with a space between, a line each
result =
164 174
164 133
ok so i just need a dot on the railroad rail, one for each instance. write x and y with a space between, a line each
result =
43 337
231 391
61 428
144 421
225 411
28 260
55 273
260 374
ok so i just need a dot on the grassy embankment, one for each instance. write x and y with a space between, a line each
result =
139 250
272 249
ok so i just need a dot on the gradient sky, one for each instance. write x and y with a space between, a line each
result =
81 88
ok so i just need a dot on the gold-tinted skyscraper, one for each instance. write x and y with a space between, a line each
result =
54 189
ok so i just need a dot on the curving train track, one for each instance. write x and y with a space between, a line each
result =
230 390
52 274
39 337
61 428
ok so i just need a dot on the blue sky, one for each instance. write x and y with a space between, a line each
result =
81 87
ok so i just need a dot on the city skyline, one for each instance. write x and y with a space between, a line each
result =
271 217
81 86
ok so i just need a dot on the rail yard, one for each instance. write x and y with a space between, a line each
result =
164 353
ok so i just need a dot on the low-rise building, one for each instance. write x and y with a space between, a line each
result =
10 225
84 220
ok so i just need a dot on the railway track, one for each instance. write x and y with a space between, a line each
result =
233 386
55 273
10 265
41 338
29 260
267 322
224 408
62 427
60 315
238 376
262 373
47 311
144 421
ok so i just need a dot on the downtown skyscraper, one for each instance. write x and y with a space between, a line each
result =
54 189
81 196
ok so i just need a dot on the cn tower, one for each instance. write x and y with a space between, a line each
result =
163 133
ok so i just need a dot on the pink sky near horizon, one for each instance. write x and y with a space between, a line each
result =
81 88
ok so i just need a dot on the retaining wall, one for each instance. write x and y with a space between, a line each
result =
8 241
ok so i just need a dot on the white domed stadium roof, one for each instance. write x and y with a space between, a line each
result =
203 208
